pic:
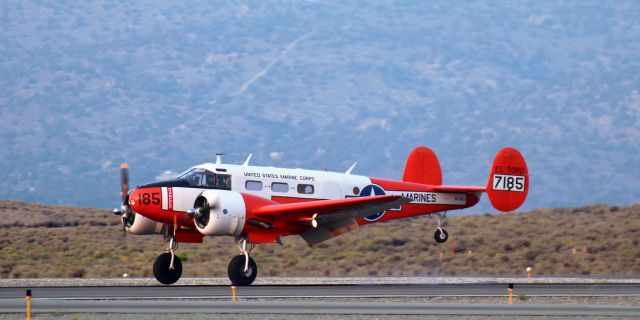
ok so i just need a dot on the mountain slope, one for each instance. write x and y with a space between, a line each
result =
165 85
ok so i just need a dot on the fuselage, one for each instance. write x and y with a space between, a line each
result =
168 201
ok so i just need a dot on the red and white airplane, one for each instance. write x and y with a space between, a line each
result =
262 204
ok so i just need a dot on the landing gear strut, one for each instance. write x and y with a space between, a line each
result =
242 269
441 234
168 268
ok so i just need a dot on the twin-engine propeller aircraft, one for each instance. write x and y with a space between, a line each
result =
261 204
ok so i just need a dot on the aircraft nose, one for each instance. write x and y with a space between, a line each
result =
133 200
146 201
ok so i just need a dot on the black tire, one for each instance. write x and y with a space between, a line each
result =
161 269
236 271
441 237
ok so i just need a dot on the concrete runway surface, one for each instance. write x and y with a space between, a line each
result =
309 308
325 291
317 299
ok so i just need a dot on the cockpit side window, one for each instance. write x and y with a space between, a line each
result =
202 178
223 181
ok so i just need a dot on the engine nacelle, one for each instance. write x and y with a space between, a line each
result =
226 214
144 225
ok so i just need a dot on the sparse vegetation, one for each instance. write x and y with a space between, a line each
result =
56 241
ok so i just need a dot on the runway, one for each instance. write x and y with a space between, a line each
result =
325 291
311 307
357 299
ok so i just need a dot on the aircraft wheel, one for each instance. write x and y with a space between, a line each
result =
236 271
441 235
161 269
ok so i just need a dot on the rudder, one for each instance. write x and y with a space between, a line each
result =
422 167
508 183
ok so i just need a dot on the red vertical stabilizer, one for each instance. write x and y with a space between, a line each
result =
422 167
508 183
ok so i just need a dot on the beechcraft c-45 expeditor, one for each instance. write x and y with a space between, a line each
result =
262 204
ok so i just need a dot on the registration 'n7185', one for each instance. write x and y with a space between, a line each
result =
508 182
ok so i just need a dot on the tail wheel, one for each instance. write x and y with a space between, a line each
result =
237 274
441 235
161 269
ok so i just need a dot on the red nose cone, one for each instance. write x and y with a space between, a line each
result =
148 202
133 203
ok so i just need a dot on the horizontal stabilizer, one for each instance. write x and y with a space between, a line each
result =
458 189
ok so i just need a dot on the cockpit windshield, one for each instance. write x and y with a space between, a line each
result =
201 178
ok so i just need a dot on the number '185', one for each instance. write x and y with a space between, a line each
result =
149 198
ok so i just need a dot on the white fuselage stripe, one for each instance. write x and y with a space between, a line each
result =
165 203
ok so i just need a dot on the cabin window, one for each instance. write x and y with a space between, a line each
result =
279 187
305 189
253 185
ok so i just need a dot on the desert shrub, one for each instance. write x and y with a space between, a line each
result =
517 241
78 273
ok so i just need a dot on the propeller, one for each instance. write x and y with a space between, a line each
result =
200 212
127 215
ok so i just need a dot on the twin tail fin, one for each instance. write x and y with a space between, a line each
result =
507 186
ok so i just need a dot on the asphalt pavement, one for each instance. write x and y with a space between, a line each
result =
308 307
326 291
316 299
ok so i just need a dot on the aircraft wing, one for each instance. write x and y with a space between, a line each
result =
329 210
458 189
334 217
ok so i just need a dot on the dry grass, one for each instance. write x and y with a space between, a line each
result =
55 241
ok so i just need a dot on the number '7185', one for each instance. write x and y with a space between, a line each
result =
508 182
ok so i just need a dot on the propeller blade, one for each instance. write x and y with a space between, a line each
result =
124 182
124 211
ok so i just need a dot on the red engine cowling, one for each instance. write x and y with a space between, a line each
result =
143 225
223 213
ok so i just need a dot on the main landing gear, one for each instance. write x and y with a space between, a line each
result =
242 269
441 234
168 268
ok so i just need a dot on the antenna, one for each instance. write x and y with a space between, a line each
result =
246 162
219 157
351 168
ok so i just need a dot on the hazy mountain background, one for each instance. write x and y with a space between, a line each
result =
167 84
